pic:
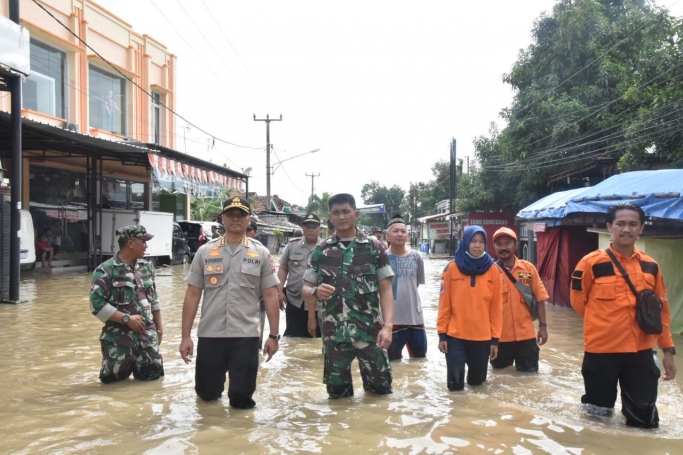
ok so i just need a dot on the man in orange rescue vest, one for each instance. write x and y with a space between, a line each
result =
616 348
519 341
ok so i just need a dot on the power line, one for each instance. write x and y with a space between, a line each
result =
226 38
639 88
559 150
135 83
210 45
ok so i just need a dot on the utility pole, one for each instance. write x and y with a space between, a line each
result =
15 84
268 146
451 195
312 176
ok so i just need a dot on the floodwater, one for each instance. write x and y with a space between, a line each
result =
52 402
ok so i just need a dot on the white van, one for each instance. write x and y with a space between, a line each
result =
27 242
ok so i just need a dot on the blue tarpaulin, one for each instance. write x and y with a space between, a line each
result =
551 206
659 193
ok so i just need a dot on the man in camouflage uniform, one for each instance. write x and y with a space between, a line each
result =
124 297
352 276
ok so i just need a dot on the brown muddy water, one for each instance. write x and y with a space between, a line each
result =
52 402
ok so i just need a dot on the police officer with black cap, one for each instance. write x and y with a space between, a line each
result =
232 272
293 263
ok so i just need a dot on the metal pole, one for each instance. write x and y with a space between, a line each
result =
15 85
451 202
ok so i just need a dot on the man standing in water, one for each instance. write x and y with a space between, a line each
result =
519 341
616 347
231 272
293 265
351 275
409 273
124 297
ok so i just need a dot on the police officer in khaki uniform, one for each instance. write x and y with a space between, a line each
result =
293 264
231 272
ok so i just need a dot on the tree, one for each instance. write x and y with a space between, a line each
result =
319 205
599 81
392 198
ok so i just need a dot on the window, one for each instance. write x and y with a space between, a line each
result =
156 118
44 88
123 194
107 101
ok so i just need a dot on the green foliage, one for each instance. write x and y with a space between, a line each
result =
207 209
319 205
601 81
392 198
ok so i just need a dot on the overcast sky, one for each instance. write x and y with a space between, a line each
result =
380 87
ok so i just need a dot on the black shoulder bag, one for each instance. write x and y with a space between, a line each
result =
526 292
648 305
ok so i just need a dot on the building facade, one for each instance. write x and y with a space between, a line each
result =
98 127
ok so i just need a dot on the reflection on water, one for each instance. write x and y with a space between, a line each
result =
52 400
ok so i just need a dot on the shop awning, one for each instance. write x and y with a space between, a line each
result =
432 217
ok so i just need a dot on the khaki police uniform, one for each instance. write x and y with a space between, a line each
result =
295 259
229 328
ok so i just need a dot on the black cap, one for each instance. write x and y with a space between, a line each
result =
252 226
237 202
312 218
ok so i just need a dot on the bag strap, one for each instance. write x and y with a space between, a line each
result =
507 272
623 272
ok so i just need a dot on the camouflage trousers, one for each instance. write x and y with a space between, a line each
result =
373 361
118 362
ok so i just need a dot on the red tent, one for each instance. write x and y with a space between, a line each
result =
559 250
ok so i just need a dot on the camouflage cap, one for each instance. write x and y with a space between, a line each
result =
312 218
237 203
128 232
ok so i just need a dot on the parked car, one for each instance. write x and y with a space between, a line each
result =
181 250
198 233
27 242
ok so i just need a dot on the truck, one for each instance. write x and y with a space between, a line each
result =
159 249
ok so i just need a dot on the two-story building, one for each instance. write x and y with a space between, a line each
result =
98 127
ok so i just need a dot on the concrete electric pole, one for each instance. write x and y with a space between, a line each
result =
312 176
268 146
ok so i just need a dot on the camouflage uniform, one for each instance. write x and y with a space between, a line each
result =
117 286
351 317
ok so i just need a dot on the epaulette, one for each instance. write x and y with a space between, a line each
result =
445 269
595 253
293 239
217 239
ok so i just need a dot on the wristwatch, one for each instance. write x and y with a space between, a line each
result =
314 292
125 319
274 337
671 350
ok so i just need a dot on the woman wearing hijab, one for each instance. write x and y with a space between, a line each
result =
470 311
